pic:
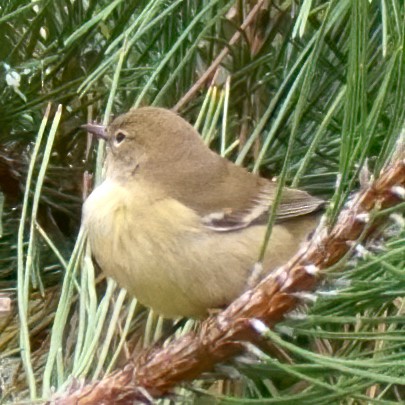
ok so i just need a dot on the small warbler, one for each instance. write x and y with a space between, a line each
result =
179 226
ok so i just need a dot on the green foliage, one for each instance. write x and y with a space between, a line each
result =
309 92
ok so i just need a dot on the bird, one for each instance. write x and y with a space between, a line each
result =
177 225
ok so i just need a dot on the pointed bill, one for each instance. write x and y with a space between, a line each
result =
100 131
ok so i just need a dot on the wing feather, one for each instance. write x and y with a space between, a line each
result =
293 203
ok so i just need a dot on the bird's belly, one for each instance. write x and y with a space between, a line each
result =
175 275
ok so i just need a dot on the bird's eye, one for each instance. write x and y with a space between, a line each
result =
119 137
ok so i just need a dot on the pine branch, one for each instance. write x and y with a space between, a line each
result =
158 370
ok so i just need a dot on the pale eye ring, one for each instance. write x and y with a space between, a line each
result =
119 137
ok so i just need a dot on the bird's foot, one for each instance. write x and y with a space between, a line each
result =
255 275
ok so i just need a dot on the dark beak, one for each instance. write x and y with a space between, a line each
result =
99 130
